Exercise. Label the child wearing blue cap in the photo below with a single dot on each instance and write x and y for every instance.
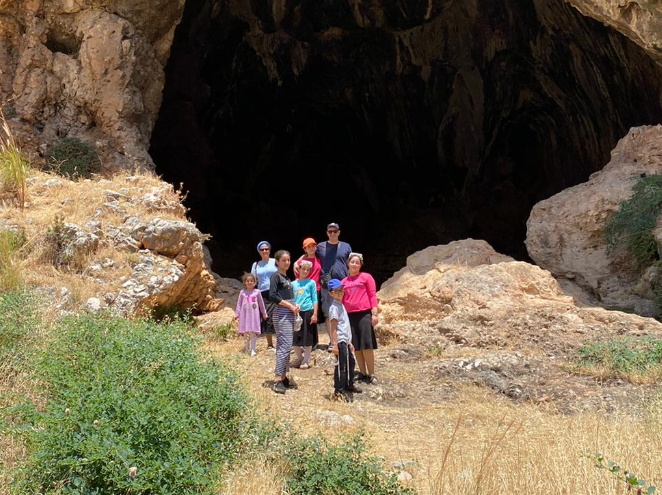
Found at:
(341, 339)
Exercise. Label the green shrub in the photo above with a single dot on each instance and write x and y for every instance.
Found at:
(130, 394)
(18, 317)
(632, 225)
(324, 469)
(623, 357)
(73, 158)
(224, 332)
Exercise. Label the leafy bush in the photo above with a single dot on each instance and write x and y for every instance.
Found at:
(14, 166)
(324, 469)
(624, 357)
(132, 410)
(73, 158)
(632, 225)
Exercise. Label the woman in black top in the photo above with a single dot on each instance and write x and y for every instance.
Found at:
(280, 293)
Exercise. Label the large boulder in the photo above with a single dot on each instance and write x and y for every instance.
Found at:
(565, 233)
(466, 293)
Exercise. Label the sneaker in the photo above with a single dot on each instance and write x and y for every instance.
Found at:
(279, 388)
(354, 389)
(372, 380)
(330, 348)
(341, 396)
(289, 383)
(359, 377)
(304, 366)
(271, 349)
(253, 353)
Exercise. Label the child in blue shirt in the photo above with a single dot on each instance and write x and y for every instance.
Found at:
(305, 295)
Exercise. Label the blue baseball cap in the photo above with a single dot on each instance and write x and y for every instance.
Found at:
(261, 243)
(334, 284)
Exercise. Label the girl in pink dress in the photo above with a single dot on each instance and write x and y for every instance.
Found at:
(250, 306)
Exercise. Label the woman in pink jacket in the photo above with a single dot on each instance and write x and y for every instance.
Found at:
(360, 301)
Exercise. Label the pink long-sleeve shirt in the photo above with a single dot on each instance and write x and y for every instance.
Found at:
(360, 293)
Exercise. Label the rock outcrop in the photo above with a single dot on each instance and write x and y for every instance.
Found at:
(639, 20)
(506, 325)
(466, 293)
(92, 70)
(565, 233)
(126, 246)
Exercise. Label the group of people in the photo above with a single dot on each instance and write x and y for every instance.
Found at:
(329, 285)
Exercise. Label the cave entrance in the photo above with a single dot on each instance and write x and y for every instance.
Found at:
(410, 125)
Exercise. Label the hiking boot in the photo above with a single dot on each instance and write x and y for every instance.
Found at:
(354, 389)
(289, 383)
(279, 388)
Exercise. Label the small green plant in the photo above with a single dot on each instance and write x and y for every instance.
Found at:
(14, 166)
(632, 225)
(73, 158)
(623, 358)
(18, 317)
(168, 314)
(631, 480)
(132, 409)
(224, 332)
(56, 241)
(324, 469)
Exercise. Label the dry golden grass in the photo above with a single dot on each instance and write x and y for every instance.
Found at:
(80, 202)
(473, 443)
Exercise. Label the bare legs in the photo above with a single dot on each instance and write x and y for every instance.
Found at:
(366, 361)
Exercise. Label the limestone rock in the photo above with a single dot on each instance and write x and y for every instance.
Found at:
(92, 71)
(497, 305)
(78, 243)
(565, 233)
(641, 21)
(171, 237)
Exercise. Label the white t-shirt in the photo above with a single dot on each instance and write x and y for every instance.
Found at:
(338, 312)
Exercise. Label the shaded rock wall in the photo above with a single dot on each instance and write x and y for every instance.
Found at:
(433, 119)
(88, 69)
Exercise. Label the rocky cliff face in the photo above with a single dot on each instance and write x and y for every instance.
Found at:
(566, 231)
(639, 20)
(88, 69)
(440, 119)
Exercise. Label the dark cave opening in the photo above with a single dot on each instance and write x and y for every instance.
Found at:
(410, 124)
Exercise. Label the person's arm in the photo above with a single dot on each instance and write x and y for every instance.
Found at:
(274, 297)
(240, 303)
(313, 319)
(296, 265)
(260, 303)
(334, 336)
(371, 289)
(313, 296)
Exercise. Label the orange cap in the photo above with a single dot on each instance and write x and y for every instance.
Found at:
(309, 242)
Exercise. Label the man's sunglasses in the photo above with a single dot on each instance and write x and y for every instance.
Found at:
(332, 231)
